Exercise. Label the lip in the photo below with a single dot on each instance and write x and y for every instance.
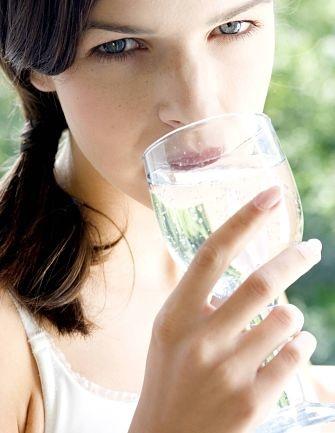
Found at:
(190, 159)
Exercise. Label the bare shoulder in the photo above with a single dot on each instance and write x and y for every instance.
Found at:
(17, 369)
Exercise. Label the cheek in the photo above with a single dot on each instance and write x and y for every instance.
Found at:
(247, 71)
(106, 118)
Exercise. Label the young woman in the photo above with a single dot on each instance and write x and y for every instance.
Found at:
(113, 336)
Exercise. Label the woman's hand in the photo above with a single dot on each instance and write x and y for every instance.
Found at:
(203, 371)
(322, 379)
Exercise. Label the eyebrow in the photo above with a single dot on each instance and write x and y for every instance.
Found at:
(119, 28)
(226, 16)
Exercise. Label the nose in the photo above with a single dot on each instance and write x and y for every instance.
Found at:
(189, 88)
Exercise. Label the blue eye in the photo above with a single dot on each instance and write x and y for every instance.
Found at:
(231, 28)
(116, 49)
(122, 49)
(237, 28)
(115, 46)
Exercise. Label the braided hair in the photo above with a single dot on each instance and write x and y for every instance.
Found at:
(46, 243)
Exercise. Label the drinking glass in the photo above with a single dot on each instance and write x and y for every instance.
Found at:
(199, 175)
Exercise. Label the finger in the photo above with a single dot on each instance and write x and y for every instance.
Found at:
(262, 287)
(272, 378)
(216, 253)
(256, 345)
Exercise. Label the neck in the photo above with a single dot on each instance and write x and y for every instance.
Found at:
(154, 268)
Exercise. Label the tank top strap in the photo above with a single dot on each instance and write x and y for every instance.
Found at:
(35, 335)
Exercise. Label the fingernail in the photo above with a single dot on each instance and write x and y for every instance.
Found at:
(268, 199)
(306, 340)
(313, 245)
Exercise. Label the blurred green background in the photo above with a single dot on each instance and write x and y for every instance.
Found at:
(301, 104)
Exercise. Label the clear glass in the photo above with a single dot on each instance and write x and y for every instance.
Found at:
(199, 175)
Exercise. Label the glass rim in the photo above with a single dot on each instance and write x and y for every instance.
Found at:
(199, 122)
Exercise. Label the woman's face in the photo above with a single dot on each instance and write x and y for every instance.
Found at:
(188, 60)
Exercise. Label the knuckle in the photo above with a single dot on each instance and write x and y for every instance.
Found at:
(288, 316)
(306, 256)
(291, 355)
(247, 404)
(241, 219)
(301, 256)
(260, 284)
(283, 316)
(229, 377)
(209, 256)
(197, 354)
(165, 327)
(226, 375)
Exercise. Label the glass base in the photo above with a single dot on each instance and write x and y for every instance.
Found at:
(296, 418)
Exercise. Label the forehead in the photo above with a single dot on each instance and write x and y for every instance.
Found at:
(158, 16)
(148, 9)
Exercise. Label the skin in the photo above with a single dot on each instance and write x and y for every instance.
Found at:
(185, 71)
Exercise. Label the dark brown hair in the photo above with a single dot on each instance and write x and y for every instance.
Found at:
(46, 240)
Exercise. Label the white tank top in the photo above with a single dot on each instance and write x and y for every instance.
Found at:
(73, 404)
